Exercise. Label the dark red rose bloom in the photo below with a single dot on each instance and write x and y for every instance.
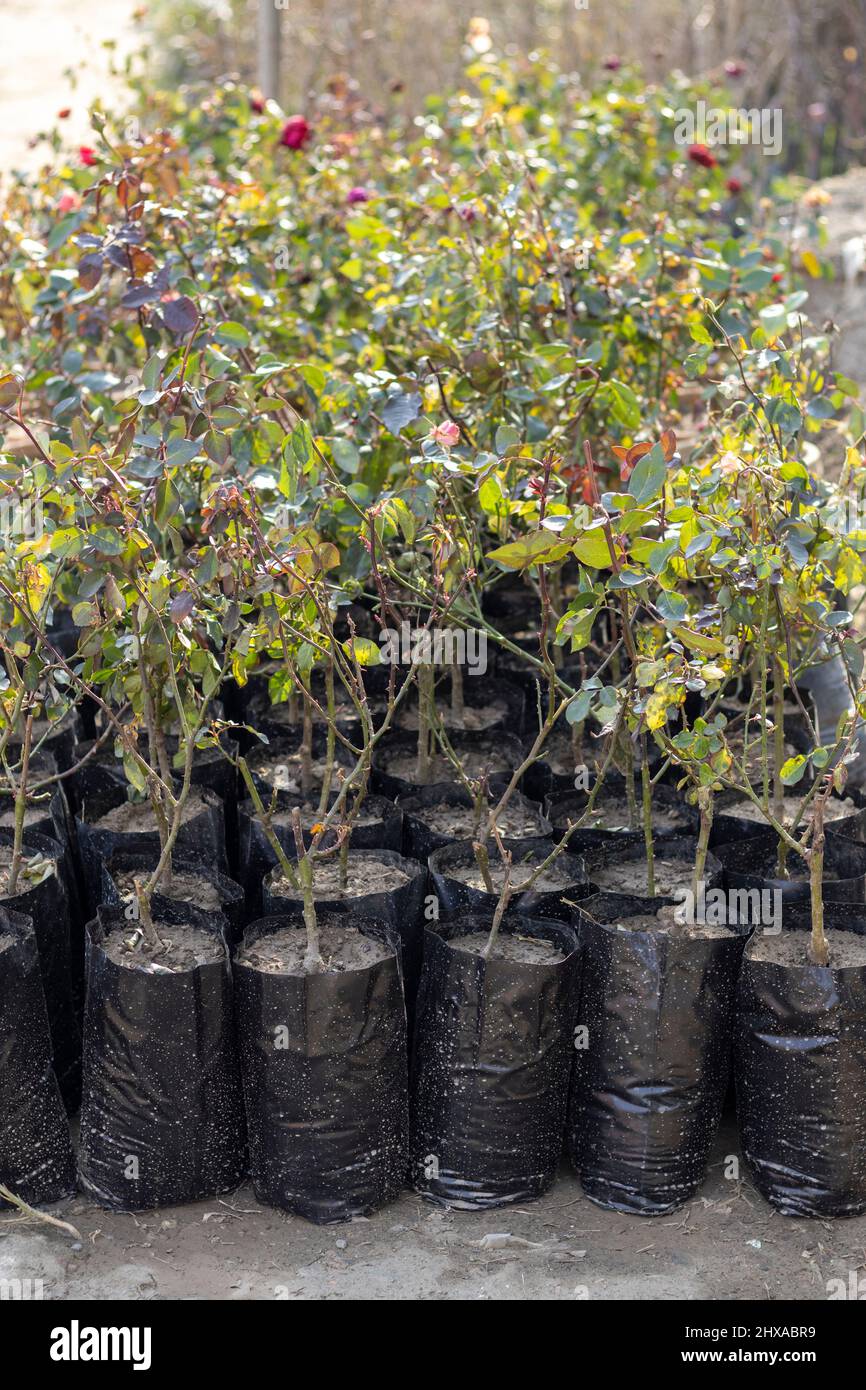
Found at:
(612, 64)
(64, 113)
(699, 154)
(257, 102)
(734, 186)
(296, 133)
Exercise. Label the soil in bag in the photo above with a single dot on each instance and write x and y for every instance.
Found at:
(607, 822)
(378, 825)
(380, 885)
(162, 1111)
(439, 816)
(192, 881)
(653, 1055)
(109, 821)
(323, 1058)
(40, 894)
(490, 756)
(36, 1162)
(737, 818)
(460, 887)
(620, 873)
(493, 1052)
(753, 863)
(801, 1065)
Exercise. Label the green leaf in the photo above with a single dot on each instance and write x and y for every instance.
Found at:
(648, 476)
(592, 549)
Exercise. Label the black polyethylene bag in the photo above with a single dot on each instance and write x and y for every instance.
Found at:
(380, 827)
(162, 1111)
(650, 1083)
(800, 1066)
(421, 838)
(324, 1069)
(200, 837)
(752, 863)
(36, 1161)
(401, 908)
(492, 1060)
(457, 897)
(231, 895)
(47, 905)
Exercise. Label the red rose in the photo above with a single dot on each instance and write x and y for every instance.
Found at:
(778, 277)
(87, 154)
(734, 186)
(357, 195)
(64, 113)
(699, 154)
(734, 68)
(296, 133)
(257, 101)
(612, 64)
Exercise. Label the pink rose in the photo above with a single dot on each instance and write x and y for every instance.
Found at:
(448, 434)
(357, 195)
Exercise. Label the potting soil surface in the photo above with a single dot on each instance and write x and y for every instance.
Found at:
(726, 1243)
(558, 876)
(138, 815)
(630, 876)
(792, 948)
(836, 808)
(183, 946)
(462, 822)
(526, 950)
(363, 876)
(341, 948)
(184, 888)
(474, 716)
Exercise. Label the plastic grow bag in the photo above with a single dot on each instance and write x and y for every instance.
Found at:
(162, 1111)
(256, 857)
(401, 908)
(650, 1082)
(325, 1080)
(420, 839)
(612, 854)
(564, 807)
(752, 863)
(47, 905)
(231, 894)
(456, 897)
(36, 1161)
(800, 1072)
(492, 1058)
(494, 755)
(200, 837)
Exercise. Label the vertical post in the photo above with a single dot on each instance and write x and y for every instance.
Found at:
(269, 48)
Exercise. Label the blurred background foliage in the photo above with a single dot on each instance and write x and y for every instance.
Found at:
(805, 56)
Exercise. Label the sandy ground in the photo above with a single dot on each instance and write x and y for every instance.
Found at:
(53, 57)
(725, 1244)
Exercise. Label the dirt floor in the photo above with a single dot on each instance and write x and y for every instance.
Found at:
(725, 1244)
(55, 56)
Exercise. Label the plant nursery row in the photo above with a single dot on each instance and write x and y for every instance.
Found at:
(431, 716)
